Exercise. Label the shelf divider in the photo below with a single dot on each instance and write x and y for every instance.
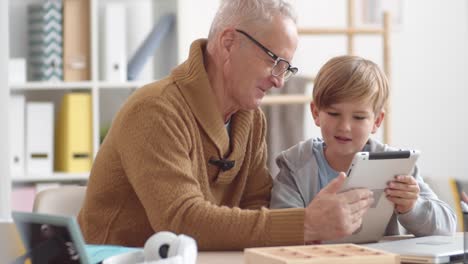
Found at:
(60, 177)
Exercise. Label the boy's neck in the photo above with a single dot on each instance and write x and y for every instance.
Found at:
(338, 162)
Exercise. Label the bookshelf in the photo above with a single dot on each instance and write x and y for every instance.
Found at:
(5, 186)
(107, 96)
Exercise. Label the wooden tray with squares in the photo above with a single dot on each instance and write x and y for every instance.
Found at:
(318, 254)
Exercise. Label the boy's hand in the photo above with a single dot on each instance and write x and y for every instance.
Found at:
(403, 192)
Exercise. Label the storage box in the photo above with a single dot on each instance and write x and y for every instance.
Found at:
(45, 41)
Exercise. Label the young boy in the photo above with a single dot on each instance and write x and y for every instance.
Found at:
(348, 105)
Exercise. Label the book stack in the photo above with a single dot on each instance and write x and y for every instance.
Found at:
(45, 41)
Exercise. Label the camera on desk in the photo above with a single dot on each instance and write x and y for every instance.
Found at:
(161, 248)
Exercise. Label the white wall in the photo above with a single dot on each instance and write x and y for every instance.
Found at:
(430, 78)
(197, 17)
(430, 85)
(5, 186)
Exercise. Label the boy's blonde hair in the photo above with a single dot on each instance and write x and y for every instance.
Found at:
(350, 78)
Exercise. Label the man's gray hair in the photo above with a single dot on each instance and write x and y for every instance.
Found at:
(236, 13)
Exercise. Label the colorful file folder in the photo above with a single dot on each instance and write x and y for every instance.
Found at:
(73, 141)
(45, 41)
(76, 40)
(39, 139)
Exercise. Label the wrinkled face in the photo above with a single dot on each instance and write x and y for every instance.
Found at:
(247, 71)
(346, 127)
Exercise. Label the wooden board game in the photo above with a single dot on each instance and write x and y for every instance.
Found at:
(318, 254)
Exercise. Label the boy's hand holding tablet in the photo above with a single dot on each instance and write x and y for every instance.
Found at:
(403, 192)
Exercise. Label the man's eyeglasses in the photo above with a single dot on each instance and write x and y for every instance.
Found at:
(281, 68)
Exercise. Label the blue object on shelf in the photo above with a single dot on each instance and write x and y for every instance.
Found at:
(146, 50)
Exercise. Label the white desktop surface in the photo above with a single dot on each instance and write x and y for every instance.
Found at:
(237, 257)
(217, 257)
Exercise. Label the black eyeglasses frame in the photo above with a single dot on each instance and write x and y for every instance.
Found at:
(287, 72)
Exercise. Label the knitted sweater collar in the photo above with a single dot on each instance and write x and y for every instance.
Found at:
(192, 81)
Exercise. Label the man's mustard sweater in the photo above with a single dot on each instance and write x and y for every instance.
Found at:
(152, 172)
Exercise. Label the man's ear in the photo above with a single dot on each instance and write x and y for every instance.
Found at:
(315, 113)
(226, 42)
(378, 121)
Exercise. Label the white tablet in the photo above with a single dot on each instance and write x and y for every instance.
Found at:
(373, 170)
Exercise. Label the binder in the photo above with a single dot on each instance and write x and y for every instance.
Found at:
(76, 40)
(17, 105)
(114, 43)
(39, 138)
(147, 48)
(139, 23)
(45, 41)
(73, 141)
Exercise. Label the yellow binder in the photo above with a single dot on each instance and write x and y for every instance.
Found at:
(73, 130)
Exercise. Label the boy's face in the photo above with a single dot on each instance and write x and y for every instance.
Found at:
(346, 126)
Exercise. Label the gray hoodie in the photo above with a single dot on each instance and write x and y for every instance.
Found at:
(301, 176)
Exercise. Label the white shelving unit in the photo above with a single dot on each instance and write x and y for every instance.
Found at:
(107, 97)
(49, 86)
(56, 177)
(5, 186)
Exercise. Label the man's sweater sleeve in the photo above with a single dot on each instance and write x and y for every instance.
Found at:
(156, 156)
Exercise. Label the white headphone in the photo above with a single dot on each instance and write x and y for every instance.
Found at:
(161, 248)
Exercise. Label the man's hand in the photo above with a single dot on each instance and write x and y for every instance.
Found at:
(333, 215)
(403, 192)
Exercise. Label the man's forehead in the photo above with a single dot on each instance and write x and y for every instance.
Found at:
(281, 40)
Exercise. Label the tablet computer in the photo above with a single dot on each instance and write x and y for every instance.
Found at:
(57, 239)
(372, 170)
(50, 239)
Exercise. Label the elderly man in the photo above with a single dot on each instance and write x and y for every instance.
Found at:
(187, 153)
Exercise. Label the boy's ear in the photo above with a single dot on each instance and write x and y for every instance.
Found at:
(378, 121)
(315, 113)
